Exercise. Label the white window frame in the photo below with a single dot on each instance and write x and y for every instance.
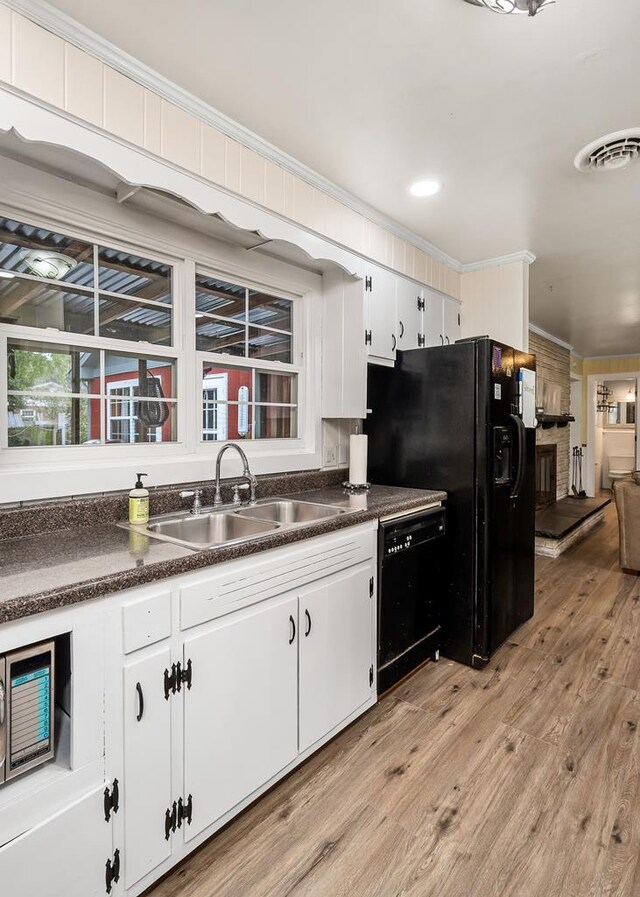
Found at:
(131, 399)
(91, 468)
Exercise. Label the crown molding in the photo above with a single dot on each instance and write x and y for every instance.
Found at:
(551, 337)
(42, 13)
(522, 256)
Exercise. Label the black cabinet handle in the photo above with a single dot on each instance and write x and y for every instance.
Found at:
(393, 337)
(293, 629)
(448, 340)
(401, 329)
(308, 629)
(140, 702)
(442, 339)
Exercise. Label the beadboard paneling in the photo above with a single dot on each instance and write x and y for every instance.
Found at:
(51, 69)
(38, 61)
(83, 80)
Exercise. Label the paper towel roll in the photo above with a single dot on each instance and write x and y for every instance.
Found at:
(358, 460)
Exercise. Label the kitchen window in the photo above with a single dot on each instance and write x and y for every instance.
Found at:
(72, 395)
(256, 398)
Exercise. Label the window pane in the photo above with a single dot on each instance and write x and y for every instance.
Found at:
(134, 321)
(224, 420)
(222, 337)
(120, 272)
(154, 378)
(134, 420)
(277, 388)
(270, 311)
(50, 368)
(274, 422)
(36, 304)
(36, 250)
(269, 345)
(53, 420)
(227, 382)
(220, 298)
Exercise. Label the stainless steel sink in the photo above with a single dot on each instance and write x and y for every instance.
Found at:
(207, 530)
(289, 512)
(232, 525)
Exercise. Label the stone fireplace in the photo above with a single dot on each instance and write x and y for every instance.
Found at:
(553, 365)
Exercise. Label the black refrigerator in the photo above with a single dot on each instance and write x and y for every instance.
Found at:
(461, 418)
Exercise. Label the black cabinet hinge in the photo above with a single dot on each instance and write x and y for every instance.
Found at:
(170, 820)
(111, 800)
(367, 337)
(368, 284)
(371, 587)
(173, 680)
(185, 811)
(422, 340)
(112, 871)
(177, 814)
(370, 675)
(420, 303)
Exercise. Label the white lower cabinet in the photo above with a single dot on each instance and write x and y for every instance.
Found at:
(146, 788)
(336, 662)
(65, 856)
(241, 713)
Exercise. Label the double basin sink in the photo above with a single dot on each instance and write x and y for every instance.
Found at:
(214, 528)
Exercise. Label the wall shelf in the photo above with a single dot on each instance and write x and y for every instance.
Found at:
(546, 421)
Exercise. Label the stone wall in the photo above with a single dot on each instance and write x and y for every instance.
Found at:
(554, 365)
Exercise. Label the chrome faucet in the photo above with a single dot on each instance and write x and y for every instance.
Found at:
(247, 476)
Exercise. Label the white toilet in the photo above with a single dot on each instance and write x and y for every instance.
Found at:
(620, 466)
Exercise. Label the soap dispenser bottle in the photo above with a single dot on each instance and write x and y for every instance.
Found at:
(139, 502)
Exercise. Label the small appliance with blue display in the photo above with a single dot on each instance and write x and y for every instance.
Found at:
(27, 685)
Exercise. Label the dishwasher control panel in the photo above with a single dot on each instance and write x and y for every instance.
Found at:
(407, 534)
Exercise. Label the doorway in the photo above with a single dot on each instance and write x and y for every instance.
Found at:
(612, 423)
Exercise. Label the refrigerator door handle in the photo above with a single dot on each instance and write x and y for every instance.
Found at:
(522, 455)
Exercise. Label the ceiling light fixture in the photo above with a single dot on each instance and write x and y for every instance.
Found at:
(424, 188)
(7, 274)
(514, 7)
(43, 263)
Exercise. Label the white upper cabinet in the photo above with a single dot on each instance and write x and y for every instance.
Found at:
(451, 320)
(409, 314)
(380, 301)
(344, 354)
(441, 319)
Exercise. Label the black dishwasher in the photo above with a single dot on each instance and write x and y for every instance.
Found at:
(411, 560)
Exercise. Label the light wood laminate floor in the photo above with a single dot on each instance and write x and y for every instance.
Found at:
(520, 780)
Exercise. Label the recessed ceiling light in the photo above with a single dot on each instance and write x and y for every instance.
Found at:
(424, 188)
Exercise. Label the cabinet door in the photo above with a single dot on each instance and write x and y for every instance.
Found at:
(337, 620)
(433, 319)
(451, 321)
(146, 790)
(409, 315)
(241, 712)
(381, 313)
(65, 856)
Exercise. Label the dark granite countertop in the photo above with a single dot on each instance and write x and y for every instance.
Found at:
(53, 569)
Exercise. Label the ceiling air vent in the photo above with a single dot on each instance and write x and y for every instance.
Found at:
(611, 152)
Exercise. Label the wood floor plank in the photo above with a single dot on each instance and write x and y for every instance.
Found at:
(519, 780)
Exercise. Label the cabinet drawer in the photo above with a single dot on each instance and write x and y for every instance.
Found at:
(146, 621)
(256, 578)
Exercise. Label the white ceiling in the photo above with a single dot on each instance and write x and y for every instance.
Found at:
(375, 94)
